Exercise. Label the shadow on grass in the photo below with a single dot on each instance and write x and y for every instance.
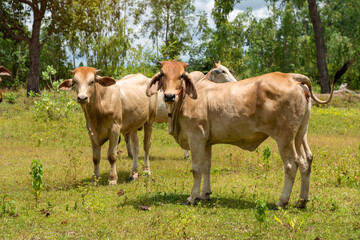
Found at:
(180, 199)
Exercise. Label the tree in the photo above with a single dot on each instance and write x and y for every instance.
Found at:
(168, 22)
(47, 16)
(320, 47)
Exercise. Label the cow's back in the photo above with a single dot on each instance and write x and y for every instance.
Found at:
(244, 113)
(137, 108)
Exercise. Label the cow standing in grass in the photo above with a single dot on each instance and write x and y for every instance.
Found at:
(218, 74)
(243, 113)
(112, 108)
(3, 72)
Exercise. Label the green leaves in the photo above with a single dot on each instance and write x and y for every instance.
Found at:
(36, 171)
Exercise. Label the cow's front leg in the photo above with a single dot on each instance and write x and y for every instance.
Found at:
(113, 141)
(96, 159)
(197, 157)
(206, 166)
(135, 150)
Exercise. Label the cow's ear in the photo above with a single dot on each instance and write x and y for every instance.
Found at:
(189, 86)
(105, 81)
(66, 85)
(155, 84)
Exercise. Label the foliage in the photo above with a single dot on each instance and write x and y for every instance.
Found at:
(36, 171)
(54, 104)
(7, 206)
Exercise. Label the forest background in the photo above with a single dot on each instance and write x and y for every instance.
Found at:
(111, 35)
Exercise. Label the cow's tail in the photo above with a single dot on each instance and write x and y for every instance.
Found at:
(305, 80)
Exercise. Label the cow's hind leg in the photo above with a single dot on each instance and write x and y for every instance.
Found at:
(289, 157)
(134, 174)
(111, 154)
(305, 162)
(128, 145)
(305, 159)
(147, 143)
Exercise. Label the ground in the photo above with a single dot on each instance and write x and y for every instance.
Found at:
(52, 130)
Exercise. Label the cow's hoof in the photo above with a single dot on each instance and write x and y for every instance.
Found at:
(301, 203)
(280, 205)
(206, 196)
(112, 182)
(134, 176)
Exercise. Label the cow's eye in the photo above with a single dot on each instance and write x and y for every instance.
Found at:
(91, 82)
(223, 71)
(74, 82)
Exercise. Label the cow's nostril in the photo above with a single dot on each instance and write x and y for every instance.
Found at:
(169, 97)
(82, 98)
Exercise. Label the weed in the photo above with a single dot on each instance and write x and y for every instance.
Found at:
(261, 212)
(37, 175)
(11, 98)
(266, 156)
(7, 206)
(296, 224)
(54, 105)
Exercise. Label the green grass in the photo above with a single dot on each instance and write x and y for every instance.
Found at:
(71, 207)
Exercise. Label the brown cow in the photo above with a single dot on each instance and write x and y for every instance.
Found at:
(3, 72)
(112, 108)
(243, 113)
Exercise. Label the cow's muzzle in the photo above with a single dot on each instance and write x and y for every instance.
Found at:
(82, 99)
(169, 97)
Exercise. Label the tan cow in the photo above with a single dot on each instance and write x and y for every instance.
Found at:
(243, 113)
(112, 108)
(3, 72)
(218, 74)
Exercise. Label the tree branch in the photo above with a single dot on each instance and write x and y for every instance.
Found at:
(14, 36)
(31, 4)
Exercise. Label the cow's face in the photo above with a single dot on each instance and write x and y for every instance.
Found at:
(175, 82)
(84, 82)
(221, 74)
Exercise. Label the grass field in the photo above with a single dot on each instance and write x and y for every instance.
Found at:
(70, 207)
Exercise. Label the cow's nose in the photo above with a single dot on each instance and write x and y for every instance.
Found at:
(82, 99)
(169, 97)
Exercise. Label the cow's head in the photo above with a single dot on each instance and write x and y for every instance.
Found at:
(84, 82)
(174, 80)
(220, 73)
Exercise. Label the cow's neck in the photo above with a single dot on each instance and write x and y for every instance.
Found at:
(174, 126)
(93, 113)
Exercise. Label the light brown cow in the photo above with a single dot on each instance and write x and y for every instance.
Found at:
(243, 113)
(112, 108)
(218, 74)
(3, 72)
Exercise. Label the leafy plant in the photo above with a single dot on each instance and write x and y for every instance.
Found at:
(36, 171)
(7, 206)
(11, 98)
(296, 224)
(261, 212)
(266, 156)
(54, 105)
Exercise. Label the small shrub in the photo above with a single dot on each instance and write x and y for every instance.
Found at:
(7, 206)
(54, 105)
(261, 212)
(11, 98)
(36, 171)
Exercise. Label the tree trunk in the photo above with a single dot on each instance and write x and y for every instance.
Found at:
(34, 69)
(320, 47)
(34, 51)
